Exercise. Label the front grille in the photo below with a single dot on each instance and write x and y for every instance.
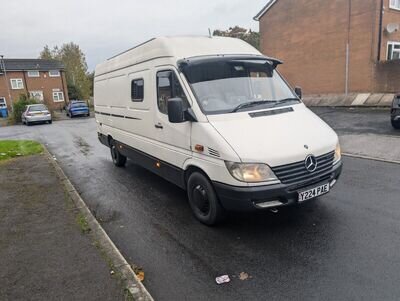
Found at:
(297, 172)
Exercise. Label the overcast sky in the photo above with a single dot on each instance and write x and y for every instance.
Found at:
(103, 28)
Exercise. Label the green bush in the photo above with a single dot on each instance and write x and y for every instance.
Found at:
(19, 106)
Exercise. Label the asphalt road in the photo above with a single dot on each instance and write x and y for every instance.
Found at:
(343, 246)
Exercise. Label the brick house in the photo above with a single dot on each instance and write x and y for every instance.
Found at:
(338, 47)
(40, 79)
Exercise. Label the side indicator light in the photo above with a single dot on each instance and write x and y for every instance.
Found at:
(199, 148)
(158, 165)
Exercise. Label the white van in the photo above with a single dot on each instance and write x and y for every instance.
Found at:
(214, 116)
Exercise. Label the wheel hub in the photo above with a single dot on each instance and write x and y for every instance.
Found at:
(201, 201)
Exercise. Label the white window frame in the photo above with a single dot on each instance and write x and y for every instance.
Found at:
(394, 4)
(17, 84)
(33, 73)
(41, 98)
(56, 96)
(54, 75)
(5, 102)
(393, 50)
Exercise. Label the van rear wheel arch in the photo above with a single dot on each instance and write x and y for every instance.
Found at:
(109, 140)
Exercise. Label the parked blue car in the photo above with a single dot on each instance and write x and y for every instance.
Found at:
(77, 108)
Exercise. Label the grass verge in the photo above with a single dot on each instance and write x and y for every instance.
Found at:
(18, 148)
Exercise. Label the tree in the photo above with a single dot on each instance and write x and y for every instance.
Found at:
(90, 76)
(74, 61)
(46, 53)
(251, 37)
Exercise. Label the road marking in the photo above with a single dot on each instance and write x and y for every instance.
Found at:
(370, 158)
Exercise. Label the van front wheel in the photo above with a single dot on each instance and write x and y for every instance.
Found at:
(118, 159)
(203, 200)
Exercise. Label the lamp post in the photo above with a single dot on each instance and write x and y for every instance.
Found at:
(6, 79)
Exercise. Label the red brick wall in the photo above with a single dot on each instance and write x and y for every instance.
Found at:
(310, 36)
(43, 83)
(387, 77)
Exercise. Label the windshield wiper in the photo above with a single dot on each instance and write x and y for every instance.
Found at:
(249, 105)
(278, 102)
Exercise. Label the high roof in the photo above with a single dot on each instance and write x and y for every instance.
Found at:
(264, 10)
(31, 65)
(176, 48)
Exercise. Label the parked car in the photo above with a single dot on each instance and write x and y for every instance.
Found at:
(395, 113)
(37, 113)
(77, 108)
(215, 117)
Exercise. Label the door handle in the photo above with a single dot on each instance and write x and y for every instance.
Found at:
(158, 126)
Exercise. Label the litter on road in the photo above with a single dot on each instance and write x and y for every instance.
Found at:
(223, 279)
(243, 276)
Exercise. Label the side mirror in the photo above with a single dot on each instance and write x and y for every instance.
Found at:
(175, 110)
(298, 92)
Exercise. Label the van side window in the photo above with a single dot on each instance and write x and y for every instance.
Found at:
(168, 86)
(137, 90)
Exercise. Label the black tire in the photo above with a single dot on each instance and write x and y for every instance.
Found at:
(27, 123)
(396, 124)
(119, 160)
(203, 200)
(50, 121)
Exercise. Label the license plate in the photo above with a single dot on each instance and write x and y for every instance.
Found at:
(313, 192)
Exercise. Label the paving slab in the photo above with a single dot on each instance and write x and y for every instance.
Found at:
(360, 99)
(374, 99)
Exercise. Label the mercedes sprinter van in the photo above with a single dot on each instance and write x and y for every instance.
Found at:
(214, 116)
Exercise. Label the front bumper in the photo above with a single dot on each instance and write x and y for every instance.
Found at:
(38, 118)
(234, 198)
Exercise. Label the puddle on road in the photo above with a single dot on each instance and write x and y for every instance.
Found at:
(83, 146)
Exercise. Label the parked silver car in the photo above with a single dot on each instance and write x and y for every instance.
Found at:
(35, 114)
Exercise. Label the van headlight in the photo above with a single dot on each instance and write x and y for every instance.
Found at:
(250, 172)
(338, 154)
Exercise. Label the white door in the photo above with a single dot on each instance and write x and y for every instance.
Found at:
(174, 138)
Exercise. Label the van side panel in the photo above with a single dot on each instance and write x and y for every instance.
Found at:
(132, 123)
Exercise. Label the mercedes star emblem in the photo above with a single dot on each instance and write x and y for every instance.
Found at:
(311, 163)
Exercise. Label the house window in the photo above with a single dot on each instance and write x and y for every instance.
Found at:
(168, 86)
(58, 96)
(393, 51)
(17, 83)
(38, 95)
(3, 103)
(33, 74)
(395, 4)
(54, 73)
(137, 90)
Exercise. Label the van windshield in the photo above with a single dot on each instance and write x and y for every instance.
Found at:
(228, 85)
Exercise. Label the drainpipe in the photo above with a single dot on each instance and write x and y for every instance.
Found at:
(380, 32)
(7, 84)
(346, 89)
